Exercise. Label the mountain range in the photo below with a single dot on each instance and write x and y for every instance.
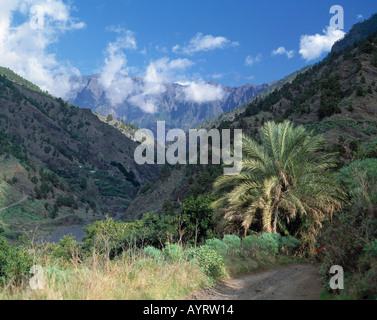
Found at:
(336, 98)
(62, 165)
(176, 111)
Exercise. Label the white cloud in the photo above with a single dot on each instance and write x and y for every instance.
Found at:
(163, 69)
(125, 39)
(120, 87)
(202, 42)
(282, 50)
(115, 62)
(201, 92)
(360, 16)
(157, 75)
(26, 50)
(146, 104)
(313, 46)
(250, 61)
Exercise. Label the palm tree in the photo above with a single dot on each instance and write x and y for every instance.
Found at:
(284, 178)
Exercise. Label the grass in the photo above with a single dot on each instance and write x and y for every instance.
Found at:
(131, 276)
(8, 194)
(135, 278)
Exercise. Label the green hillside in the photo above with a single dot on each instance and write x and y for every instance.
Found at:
(64, 160)
(9, 74)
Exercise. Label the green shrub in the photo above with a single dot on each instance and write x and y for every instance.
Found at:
(110, 237)
(233, 242)
(211, 262)
(351, 175)
(273, 240)
(67, 249)
(369, 149)
(10, 235)
(190, 254)
(173, 252)
(289, 243)
(15, 263)
(370, 249)
(359, 91)
(253, 242)
(217, 245)
(2, 227)
(153, 252)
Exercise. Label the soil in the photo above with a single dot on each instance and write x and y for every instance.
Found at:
(293, 282)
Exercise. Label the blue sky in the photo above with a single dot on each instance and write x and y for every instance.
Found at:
(229, 42)
(258, 26)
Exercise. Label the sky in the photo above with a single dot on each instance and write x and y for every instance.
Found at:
(166, 41)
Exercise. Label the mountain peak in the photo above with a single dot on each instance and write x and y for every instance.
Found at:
(359, 31)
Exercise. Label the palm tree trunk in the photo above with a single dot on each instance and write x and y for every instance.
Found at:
(267, 226)
(275, 223)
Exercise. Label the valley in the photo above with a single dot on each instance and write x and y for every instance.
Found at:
(107, 215)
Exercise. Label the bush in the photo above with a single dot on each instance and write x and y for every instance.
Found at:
(273, 240)
(110, 237)
(351, 175)
(289, 243)
(370, 249)
(67, 249)
(233, 242)
(153, 252)
(2, 227)
(173, 252)
(190, 254)
(359, 91)
(211, 263)
(350, 239)
(252, 243)
(15, 263)
(217, 245)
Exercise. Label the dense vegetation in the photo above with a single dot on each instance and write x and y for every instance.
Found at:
(297, 191)
(285, 185)
(90, 271)
(351, 238)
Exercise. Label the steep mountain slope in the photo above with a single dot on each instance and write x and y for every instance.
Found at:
(63, 158)
(230, 115)
(177, 112)
(336, 97)
(358, 32)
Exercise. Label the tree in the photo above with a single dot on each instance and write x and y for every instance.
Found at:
(197, 216)
(110, 118)
(286, 180)
(374, 59)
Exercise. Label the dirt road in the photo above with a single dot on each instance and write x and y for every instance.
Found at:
(24, 198)
(293, 282)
